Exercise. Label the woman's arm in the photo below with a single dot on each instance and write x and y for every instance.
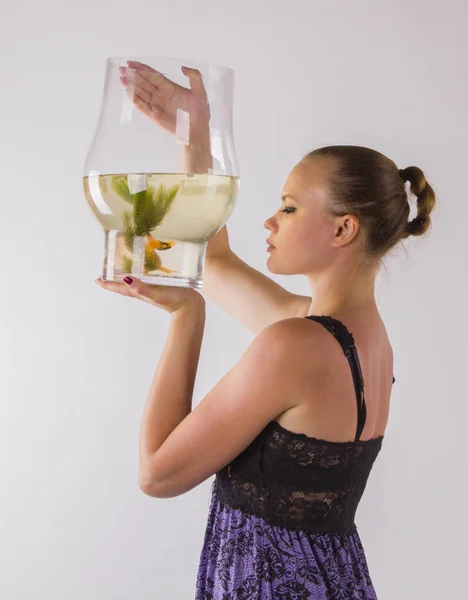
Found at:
(196, 156)
(170, 397)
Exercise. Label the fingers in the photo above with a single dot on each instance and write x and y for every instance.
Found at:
(146, 89)
(136, 289)
(131, 76)
(196, 80)
(139, 65)
(143, 103)
(149, 75)
(114, 286)
(132, 88)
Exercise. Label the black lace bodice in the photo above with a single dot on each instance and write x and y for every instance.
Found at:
(302, 482)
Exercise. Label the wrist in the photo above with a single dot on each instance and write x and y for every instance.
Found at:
(194, 308)
(196, 157)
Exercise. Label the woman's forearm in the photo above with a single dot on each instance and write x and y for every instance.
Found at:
(170, 397)
(196, 156)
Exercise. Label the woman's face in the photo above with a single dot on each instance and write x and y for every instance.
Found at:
(301, 232)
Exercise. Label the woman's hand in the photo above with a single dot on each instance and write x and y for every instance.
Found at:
(169, 298)
(158, 97)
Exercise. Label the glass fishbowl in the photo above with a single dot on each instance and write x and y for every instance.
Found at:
(161, 174)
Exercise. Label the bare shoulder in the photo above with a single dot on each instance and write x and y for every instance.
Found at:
(299, 341)
(298, 328)
(309, 352)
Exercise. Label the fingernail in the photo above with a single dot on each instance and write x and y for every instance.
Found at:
(128, 280)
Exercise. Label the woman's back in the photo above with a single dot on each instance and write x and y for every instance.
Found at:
(328, 406)
(281, 519)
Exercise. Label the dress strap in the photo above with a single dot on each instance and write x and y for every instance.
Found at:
(346, 341)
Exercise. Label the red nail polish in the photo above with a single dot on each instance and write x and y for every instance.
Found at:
(128, 280)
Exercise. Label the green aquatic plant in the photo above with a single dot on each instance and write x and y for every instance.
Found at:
(150, 206)
(150, 263)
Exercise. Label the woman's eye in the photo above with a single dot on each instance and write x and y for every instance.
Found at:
(288, 209)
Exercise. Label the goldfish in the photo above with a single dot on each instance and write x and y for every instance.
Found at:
(157, 244)
(153, 245)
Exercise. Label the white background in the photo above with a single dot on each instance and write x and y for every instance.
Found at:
(77, 361)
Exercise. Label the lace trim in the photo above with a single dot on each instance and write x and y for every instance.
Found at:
(276, 522)
(303, 436)
(292, 479)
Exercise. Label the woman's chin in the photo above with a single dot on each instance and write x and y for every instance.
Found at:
(270, 266)
(277, 270)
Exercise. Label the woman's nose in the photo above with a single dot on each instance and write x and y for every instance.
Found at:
(268, 223)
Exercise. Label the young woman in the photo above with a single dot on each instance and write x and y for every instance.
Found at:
(292, 431)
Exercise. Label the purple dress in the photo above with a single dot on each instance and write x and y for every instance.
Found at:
(281, 517)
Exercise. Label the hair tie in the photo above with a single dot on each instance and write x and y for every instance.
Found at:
(402, 175)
